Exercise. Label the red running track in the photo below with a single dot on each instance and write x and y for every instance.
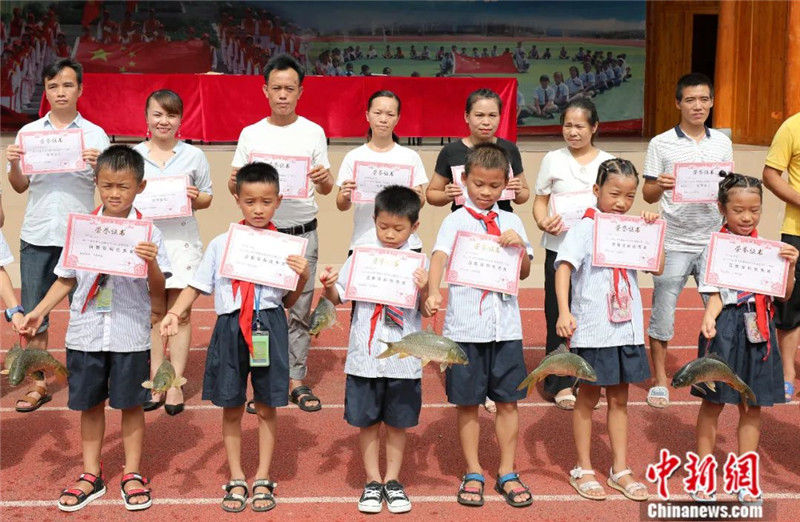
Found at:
(317, 463)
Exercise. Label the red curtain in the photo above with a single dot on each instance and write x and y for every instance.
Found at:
(193, 56)
(217, 107)
(503, 64)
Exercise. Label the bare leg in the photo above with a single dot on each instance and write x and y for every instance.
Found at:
(658, 351)
(232, 437)
(506, 426)
(178, 347)
(395, 446)
(468, 434)
(582, 430)
(706, 431)
(93, 427)
(132, 437)
(267, 427)
(369, 444)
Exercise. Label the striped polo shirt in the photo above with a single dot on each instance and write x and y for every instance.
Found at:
(689, 225)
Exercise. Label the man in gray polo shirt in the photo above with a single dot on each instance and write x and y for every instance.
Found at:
(689, 225)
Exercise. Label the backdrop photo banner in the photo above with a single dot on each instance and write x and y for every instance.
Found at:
(217, 107)
(145, 57)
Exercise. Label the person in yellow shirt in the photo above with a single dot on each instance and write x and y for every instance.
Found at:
(784, 155)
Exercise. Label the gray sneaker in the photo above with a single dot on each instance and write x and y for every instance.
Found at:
(371, 500)
(396, 499)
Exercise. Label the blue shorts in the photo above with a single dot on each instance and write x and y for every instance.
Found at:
(617, 364)
(97, 376)
(37, 265)
(495, 370)
(228, 363)
(396, 402)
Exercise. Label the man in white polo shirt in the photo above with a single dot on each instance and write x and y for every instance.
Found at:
(689, 225)
(51, 197)
(285, 133)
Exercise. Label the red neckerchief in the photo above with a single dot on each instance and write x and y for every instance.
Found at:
(101, 278)
(590, 213)
(490, 221)
(392, 312)
(764, 310)
(247, 308)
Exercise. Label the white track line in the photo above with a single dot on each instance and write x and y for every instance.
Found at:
(432, 499)
(433, 405)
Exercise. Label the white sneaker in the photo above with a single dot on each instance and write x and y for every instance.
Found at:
(396, 499)
(371, 500)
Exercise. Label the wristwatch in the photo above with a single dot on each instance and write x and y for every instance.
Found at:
(11, 311)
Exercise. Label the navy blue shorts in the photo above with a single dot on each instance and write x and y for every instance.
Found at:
(396, 402)
(37, 265)
(228, 363)
(617, 364)
(495, 370)
(97, 376)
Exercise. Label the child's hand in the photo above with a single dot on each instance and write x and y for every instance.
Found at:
(192, 192)
(709, 327)
(433, 303)
(551, 224)
(147, 251)
(666, 181)
(566, 325)
(347, 189)
(90, 156)
(420, 278)
(17, 322)
(514, 184)
(789, 252)
(511, 238)
(328, 277)
(452, 191)
(650, 217)
(30, 324)
(318, 174)
(169, 325)
(299, 264)
(14, 153)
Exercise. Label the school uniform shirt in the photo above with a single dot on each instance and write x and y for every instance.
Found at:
(300, 138)
(590, 290)
(689, 225)
(52, 196)
(544, 95)
(361, 357)
(561, 92)
(587, 78)
(207, 280)
(499, 318)
(5, 253)
(575, 84)
(126, 328)
(181, 235)
(363, 220)
(560, 172)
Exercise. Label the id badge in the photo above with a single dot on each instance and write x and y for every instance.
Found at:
(260, 355)
(619, 311)
(751, 327)
(102, 300)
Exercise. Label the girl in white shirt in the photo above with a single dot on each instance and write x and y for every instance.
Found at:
(383, 113)
(569, 169)
(165, 155)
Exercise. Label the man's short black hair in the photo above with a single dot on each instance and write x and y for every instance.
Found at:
(398, 201)
(282, 62)
(693, 80)
(52, 70)
(121, 157)
(257, 173)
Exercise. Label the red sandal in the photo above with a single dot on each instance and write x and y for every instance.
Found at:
(98, 490)
(126, 495)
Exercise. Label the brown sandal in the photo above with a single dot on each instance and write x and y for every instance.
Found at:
(35, 404)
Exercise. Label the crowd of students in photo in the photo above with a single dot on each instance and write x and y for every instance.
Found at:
(110, 355)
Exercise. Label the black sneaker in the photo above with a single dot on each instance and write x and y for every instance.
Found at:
(396, 498)
(371, 500)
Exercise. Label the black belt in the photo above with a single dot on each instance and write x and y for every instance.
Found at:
(299, 230)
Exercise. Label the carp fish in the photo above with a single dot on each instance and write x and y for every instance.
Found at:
(428, 347)
(164, 379)
(709, 369)
(324, 316)
(560, 362)
(23, 362)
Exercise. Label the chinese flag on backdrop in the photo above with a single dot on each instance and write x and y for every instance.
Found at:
(91, 10)
(145, 57)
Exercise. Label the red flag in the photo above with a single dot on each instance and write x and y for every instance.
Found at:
(495, 64)
(130, 6)
(145, 57)
(91, 10)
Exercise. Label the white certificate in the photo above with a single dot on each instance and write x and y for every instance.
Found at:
(51, 151)
(479, 261)
(259, 256)
(164, 197)
(105, 244)
(627, 242)
(698, 182)
(384, 275)
(458, 170)
(372, 177)
(571, 206)
(746, 263)
(292, 172)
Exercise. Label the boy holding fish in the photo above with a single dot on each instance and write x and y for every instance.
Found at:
(108, 338)
(248, 314)
(383, 389)
(492, 339)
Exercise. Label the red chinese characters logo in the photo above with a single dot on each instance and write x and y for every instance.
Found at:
(661, 471)
(741, 473)
(702, 474)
